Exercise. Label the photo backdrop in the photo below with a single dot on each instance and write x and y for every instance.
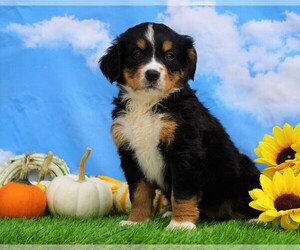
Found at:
(54, 97)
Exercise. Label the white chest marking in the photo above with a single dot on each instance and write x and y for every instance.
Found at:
(141, 129)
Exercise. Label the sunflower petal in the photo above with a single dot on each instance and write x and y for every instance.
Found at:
(270, 139)
(278, 184)
(263, 161)
(287, 223)
(252, 195)
(297, 185)
(257, 151)
(296, 133)
(266, 184)
(289, 180)
(269, 157)
(257, 193)
(297, 158)
(284, 165)
(265, 202)
(288, 133)
(272, 213)
(285, 212)
(265, 146)
(279, 137)
(269, 172)
(296, 147)
(295, 217)
(256, 206)
(265, 218)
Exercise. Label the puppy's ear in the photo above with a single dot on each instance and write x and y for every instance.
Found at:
(191, 57)
(110, 64)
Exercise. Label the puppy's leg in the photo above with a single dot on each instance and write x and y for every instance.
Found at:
(141, 198)
(141, 192)
(185, 213)
(185, 194)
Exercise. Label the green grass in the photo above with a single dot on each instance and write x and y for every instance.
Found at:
(61, 230)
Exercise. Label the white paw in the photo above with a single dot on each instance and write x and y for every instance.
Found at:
(131, 223)
(167, 214)
(127, 223)
(187, 225)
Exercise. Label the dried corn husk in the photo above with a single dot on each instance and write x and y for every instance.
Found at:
(11, 169)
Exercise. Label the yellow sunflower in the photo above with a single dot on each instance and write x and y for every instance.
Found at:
(296, 148)
(270, 171)
(279, 199)
(279, 151)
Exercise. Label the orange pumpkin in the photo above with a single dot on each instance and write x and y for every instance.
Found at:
(20, 198)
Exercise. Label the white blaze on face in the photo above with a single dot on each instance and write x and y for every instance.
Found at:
(153, 64)
(150, 37)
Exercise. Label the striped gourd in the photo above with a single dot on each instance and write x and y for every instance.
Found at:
(121, 201)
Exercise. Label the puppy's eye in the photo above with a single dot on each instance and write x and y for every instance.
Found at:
(137, 54)
(170, 56)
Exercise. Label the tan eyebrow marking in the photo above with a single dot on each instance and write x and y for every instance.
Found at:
(167, 45)
(141, 43)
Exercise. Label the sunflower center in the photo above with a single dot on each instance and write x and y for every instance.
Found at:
(287, 201)
(285, 154)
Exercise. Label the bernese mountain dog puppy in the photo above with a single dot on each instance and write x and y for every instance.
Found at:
(166, 138)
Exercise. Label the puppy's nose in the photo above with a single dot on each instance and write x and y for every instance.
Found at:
(152, 75)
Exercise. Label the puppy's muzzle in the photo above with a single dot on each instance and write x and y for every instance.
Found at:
(152, 76)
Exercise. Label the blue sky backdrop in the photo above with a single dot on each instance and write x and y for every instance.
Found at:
(53, 96)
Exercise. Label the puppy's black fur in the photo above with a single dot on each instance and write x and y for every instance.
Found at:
(189, 156)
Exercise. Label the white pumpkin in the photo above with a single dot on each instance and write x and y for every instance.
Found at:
(73, 195)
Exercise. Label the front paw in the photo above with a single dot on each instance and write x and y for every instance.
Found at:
(127, 223)
(186, 225)
(131, 223)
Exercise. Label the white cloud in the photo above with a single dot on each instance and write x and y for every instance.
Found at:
(271, 96)
(263, 60)
(88, 37)
(209, 30)
(4, 156)
(270, 33)
(258, 63)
